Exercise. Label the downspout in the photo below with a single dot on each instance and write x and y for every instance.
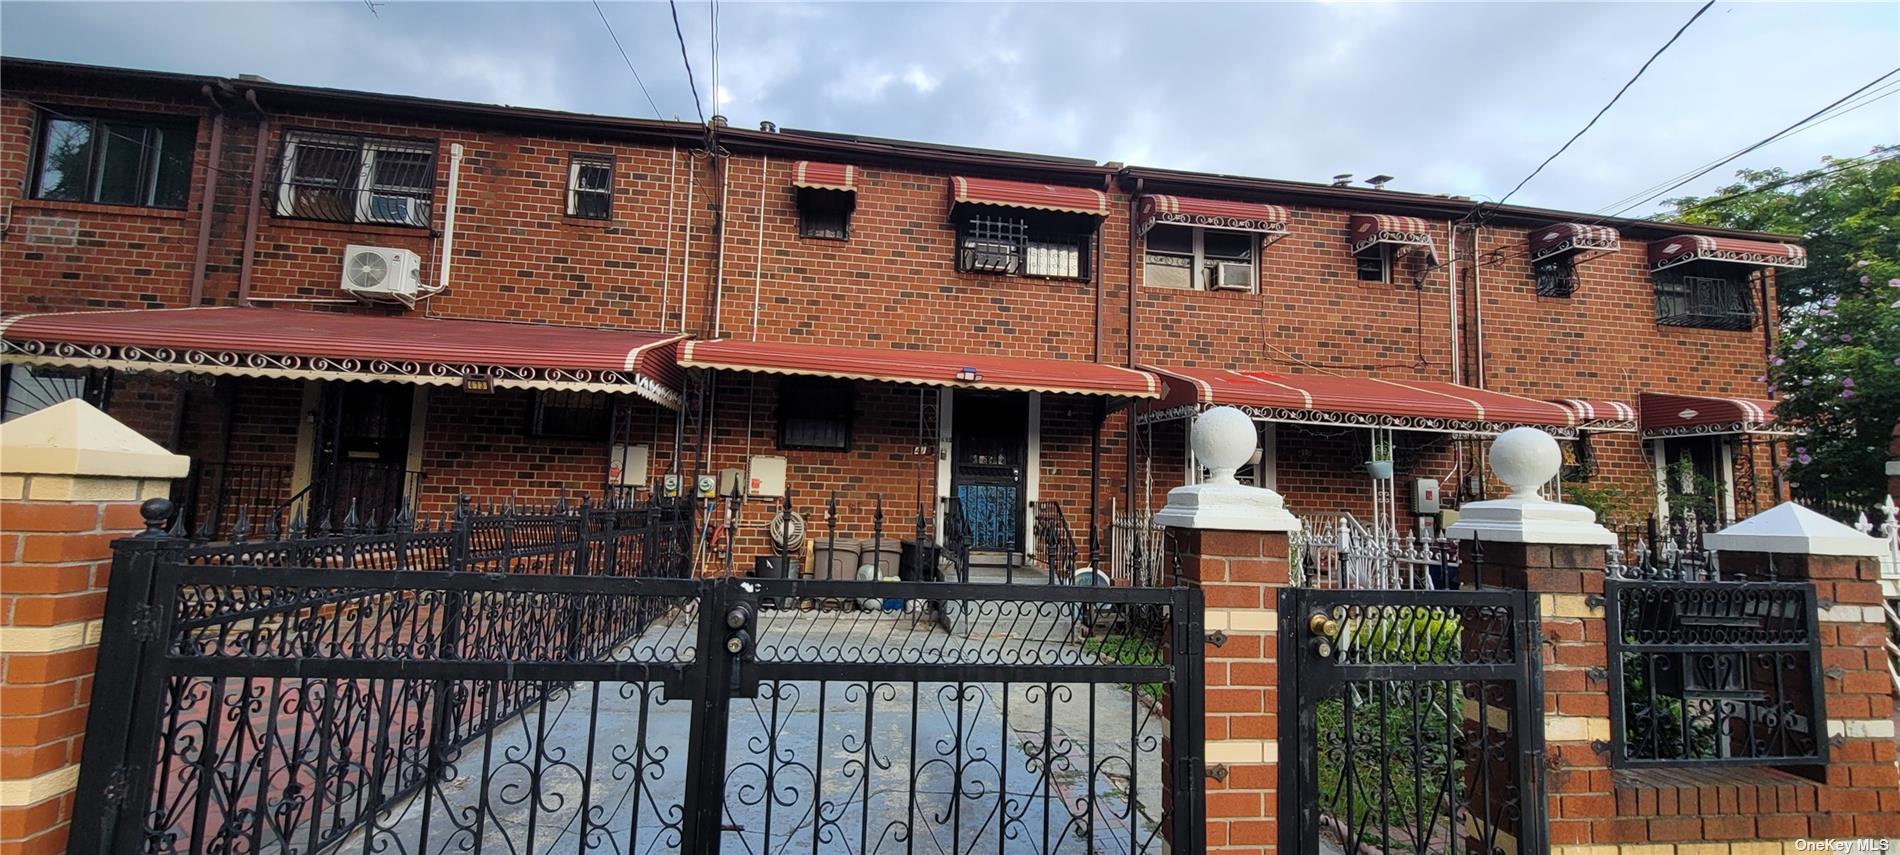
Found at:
(758, 263)
(1452, 291)
(719, 224)
(1101, 238)
(666, 255)
(448, 220)
(1768, 355)
(258, 156)
(1477, 304)
(208, 204)
(686, 256)
(1134, 463)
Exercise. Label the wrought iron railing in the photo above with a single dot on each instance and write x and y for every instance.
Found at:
(1701, 301)
(213, 496)
(1339, 552)
(1135, 548)
(1708, 668)
(1055, 543)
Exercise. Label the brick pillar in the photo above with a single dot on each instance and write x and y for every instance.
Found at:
(1230, 542)
(71, 480)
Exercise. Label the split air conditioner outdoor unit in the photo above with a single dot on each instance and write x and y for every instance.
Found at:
(386, 274)
(1232, 276)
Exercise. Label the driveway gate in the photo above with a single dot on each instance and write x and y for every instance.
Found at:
(546, 683)
(1415, 721)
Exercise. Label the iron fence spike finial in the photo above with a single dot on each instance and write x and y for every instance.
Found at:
(350, 519)
(241, 527)
(273, 527)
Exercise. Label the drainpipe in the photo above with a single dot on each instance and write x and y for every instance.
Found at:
(1477, 304)
(1101, 238)
(686, 255)
(719, 221)
(1768, 353)
(1134, 464)
(259, 154)
(758, 257)
(666, 269)
(448, 219)
(208, 204)
(1451, 299)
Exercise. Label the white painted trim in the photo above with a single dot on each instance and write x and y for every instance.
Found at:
(418, 423)
(946, 399)
(1725, 450)
(302, 466)
(1659, 464)
(1032, 474)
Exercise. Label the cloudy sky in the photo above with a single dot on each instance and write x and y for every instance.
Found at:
(1461, 98)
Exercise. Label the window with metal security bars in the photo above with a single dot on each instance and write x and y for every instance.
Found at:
(113, 160)
(571, 415)
(1054, 247)
(353, 179)
(825, 214)
(1556, 277)
(815, 413)
(590, 187)
(1705, 295)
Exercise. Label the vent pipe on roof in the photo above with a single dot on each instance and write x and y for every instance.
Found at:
(768, 127)
(717, 121)
(1378, 182)
(1342, 179)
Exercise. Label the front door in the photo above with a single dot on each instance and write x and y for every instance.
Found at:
(988, 464)
(362, 453)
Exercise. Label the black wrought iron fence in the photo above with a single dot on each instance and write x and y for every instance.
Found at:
(213, 496)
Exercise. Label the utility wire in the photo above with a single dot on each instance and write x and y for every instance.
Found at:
(628, 60)
(1613, 99)
(677, 33)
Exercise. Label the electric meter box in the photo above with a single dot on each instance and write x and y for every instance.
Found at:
(627, 465)
(731, 480)
(707, 486)
(767, 476)
(670, 485)
(1425, 496)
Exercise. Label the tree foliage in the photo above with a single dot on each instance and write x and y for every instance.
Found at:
(1836, 371)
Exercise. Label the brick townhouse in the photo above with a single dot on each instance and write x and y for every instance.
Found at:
(335, 300)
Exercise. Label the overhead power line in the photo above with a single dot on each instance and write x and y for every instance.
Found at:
(627, 59)
(1613, 99)
(677, 33)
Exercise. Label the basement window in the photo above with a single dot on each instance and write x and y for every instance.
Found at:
(590, 187)
(815, 413)
(353, 179)
(113, 160)
(825, 214)
(1054, 246)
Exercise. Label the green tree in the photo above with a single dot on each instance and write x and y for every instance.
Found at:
(1836, 371)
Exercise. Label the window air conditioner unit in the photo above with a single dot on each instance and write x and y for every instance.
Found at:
(1232, 276)
(985, 256)
(384, 274)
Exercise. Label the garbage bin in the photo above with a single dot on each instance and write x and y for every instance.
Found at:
(917, 564)
(836, 561)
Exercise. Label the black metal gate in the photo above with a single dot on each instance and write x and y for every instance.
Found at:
(553, 682)
(1415, 721)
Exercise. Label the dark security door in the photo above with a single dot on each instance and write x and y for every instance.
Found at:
(362, 451)
(989, 447)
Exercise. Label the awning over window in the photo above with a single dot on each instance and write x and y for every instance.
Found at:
(1420, 405)
(1555, 240)
(825, 176)
(1662, 414)
(1022, 194)
(921, 367)
(1269, 220)
(1371, 230)
(1596, 414)
(251, 342)
(1682, 249)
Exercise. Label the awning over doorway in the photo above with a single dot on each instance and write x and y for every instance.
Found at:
(1664, 414)
(921, 367)
(252, 342)
(1418, 405)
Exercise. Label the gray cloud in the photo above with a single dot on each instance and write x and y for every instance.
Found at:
(1460, 98)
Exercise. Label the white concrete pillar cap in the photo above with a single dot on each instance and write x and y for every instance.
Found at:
(1525, 459)
(1223, 439)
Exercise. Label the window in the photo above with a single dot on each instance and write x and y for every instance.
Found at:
(1375, 264)
(1201, 259)
(825, 213)
(347, 179)
(571, 415)
(1556, 277)
(590, 187)
(1054, 246)
(31, 388)
(815, 414)
(1706, 295)
(114, 161)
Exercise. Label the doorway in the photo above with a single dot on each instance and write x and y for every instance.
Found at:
(362, 453)
(989, 466)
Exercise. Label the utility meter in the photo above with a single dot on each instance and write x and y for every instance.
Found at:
(670, 485)
(707, 486)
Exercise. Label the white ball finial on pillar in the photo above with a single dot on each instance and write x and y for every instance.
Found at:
(1223, 439)
(1525, 459)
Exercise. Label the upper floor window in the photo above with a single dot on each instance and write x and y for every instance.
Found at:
(1705, 294)
(1023, 242)
(1375, 264)
(114, 160)
(1200, 258)
(355, 179)
(590, 187)
(825, 213)
(1556, 277)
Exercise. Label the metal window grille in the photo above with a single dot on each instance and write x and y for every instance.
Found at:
(1704, 301)
(1556, 277)
(825, 214)
(1002, 244)
(590, 188)
(572, 415)
(344, 178)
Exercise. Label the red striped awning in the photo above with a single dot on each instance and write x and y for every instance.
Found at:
(825, 176)
(1422, 405)
(1682, 249)
(1555, 240)
(1664, 414)
(1598, 414)
(336, 346)
(1370, 230)
(1213, 214)
(1022, 194)
(921, 367)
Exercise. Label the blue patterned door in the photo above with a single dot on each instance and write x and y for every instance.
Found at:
(989, 442)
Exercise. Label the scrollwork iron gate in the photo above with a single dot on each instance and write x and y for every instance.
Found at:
(421, 692)
(1416, 721)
